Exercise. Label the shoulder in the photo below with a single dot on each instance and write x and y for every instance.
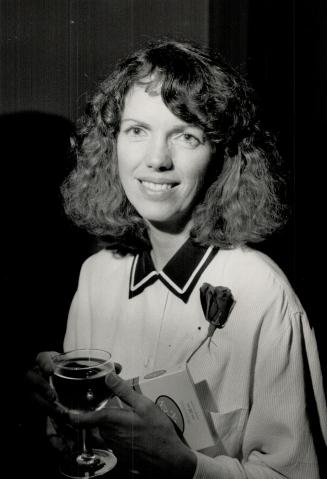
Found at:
(265, 304)
(106, 262)
(253, 262)
(255, 276)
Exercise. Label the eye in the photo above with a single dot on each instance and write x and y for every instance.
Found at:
(188, 140)
(191, 139)
(135, 131)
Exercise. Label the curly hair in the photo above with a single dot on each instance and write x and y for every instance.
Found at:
(241, 199)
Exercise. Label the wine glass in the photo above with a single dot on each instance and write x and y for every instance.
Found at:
(79, 381)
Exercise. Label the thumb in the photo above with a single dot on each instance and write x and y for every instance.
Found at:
(122, 389)
(44, 361)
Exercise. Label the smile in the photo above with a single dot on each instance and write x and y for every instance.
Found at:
(157, 187)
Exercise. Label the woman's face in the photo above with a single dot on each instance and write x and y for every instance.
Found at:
(162, 160)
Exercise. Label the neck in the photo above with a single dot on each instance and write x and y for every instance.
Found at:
(165, 244)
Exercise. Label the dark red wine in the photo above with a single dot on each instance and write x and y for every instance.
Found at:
(80, 383)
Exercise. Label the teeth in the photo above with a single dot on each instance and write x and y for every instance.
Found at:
(157, 186)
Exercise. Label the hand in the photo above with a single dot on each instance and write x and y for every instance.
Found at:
(43, 399)
(142, 429)
(39, 391)
(38, 386)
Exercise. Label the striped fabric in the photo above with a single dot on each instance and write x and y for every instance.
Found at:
(262, 366)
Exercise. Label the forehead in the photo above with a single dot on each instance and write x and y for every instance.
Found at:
(146, 104)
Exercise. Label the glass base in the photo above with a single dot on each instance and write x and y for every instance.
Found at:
(105, 460)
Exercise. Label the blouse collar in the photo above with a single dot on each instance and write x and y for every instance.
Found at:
(179, 275)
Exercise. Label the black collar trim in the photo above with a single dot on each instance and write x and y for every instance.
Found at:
(179, 275)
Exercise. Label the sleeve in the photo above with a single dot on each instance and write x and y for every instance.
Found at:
(78, 329)
(288, 409)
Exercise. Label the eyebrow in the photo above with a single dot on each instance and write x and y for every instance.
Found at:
(140, 122)
(178, 127)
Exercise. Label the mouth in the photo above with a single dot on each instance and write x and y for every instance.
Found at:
(156, 187)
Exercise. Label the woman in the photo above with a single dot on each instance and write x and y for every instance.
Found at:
(176, 174)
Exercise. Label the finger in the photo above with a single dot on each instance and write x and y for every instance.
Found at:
(123, 390)
(58, 443)
(52, 409)
(36, 382)
(103, 417)
(56, 435)
(44, 361)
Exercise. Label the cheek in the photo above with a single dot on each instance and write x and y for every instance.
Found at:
(128, 157)
(198, 173)
(124, 161)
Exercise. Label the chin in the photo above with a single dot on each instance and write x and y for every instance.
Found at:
(164, 218)
(157, 214)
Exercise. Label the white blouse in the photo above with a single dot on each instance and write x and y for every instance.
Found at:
(262, 366)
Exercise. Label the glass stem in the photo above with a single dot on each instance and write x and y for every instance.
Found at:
(87, 456)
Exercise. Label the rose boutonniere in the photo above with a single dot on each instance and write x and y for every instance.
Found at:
(216, 302)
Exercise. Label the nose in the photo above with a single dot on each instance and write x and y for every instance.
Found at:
(159, 156)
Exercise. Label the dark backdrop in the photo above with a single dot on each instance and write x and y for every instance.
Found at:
(53, 52)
